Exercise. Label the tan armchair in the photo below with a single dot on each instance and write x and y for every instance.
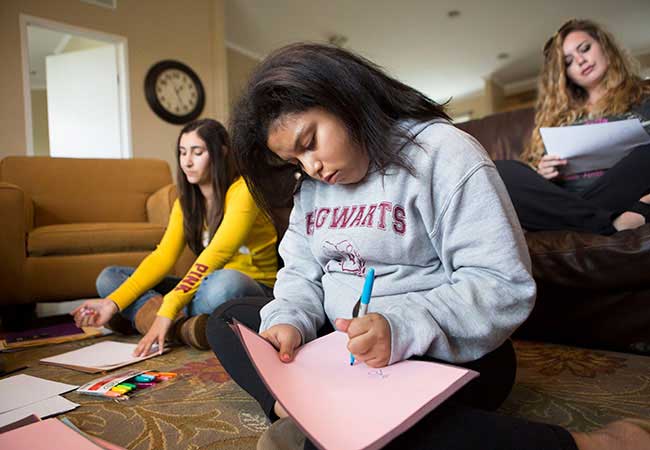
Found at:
(63, 220)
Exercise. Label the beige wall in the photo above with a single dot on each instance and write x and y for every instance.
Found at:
(39, 122)
(474, 105)
(155, 30)
(240, 67)
(493, 98)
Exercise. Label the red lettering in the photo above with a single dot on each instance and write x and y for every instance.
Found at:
(342, 220)
(399, 222)
(321, 216)
(367, 221)
(357, 220)
(309, 222)
(383, 207)
(183, 287)
(189, 279)
(201, 267)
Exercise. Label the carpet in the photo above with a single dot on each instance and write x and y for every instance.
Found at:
(202, 408)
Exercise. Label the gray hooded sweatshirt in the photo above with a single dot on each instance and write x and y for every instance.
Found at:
(452, 270)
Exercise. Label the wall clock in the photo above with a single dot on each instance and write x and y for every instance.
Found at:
(174, 92)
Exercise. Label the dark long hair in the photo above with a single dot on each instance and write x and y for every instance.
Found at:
(302, 76)
(223, 172)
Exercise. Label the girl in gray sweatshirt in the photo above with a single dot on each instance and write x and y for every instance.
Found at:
(385, 181)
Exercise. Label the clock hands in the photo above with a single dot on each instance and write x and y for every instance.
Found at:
(177, 92)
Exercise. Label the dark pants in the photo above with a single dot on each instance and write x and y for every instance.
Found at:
(543, 205)
(465, 421)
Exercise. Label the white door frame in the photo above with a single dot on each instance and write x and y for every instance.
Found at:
(122, 70)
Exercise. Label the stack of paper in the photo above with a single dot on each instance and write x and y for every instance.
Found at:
(358, 407)
(107, 355)
(23, 395)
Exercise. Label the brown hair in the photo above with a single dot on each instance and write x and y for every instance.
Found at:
(223, 173)
(560, 101)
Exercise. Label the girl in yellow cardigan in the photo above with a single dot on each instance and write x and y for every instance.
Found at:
(218, 219)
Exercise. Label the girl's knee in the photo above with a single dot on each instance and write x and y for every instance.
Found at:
(108, 280)
(221, 318)
(225, 285)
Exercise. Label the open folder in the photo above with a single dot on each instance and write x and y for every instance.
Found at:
(343, 407)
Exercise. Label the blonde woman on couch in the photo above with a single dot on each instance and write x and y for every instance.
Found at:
(586, 78)
(217, 218)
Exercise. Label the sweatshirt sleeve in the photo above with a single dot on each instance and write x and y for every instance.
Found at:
(298, 290)
(490, 290)
(156, 265)
(239, 216)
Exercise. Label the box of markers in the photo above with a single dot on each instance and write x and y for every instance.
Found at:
(125, 383)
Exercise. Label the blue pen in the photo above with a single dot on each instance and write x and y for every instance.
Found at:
(365, 299)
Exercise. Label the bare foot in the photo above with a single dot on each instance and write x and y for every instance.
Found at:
(619, 435)
(630, 220)
(279, 410)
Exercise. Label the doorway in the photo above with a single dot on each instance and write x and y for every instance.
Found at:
(76, 91)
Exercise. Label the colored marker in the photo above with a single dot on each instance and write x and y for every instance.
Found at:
(365, 299)
(142, 378)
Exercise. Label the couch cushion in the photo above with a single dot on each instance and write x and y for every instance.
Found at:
(89, 238)
(503, 135)
(582, 260)
(71, 190)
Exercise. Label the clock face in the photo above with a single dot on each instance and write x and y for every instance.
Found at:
(174, 92)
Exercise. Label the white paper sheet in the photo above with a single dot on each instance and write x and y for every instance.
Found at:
(105, 355)
(21, 390)
(44, 408)
(594, 146)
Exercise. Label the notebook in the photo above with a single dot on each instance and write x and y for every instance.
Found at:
(100, 357)
(345, 407)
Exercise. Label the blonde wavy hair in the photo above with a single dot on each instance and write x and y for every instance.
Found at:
(560, 101)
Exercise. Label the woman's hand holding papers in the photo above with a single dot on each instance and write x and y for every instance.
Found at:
(548, 166)
(369, 338)
(156, 335)
(286, 338)
(94, 313)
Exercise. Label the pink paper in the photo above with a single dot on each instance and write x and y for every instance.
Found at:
(343, 407)
(45, 435)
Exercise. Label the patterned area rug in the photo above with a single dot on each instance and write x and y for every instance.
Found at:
(580, 389)
(203, 409)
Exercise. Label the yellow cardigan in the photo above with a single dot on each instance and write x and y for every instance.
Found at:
(245, 241)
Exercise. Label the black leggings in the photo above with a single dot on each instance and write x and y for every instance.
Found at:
(463, 422)
(543, 205)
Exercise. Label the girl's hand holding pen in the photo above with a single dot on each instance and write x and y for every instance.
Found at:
(286, 338)
(369, 338)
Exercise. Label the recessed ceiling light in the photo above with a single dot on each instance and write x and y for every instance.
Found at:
(453, 13)
(503, 55)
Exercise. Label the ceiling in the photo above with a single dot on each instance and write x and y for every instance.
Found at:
(416, 40)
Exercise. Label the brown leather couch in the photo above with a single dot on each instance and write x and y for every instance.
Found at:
(63, 220)
(593, 290)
